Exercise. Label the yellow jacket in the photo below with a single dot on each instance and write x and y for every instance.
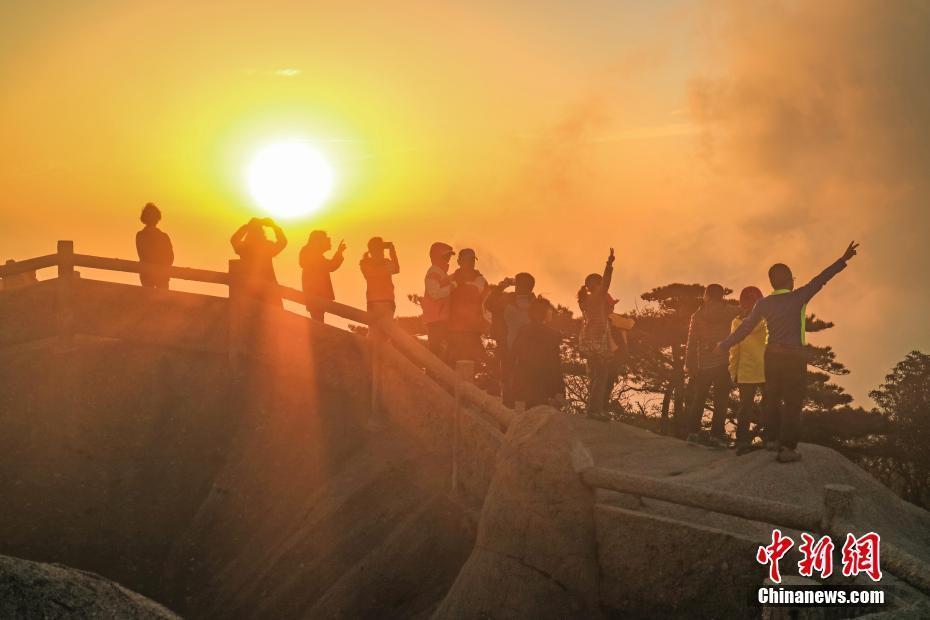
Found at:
(747, 359)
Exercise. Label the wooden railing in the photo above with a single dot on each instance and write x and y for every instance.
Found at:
(65, 259)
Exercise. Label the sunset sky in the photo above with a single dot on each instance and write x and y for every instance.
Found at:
(703, 140)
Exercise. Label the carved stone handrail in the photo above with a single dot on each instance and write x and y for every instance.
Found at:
(66, 260)
(834, 519)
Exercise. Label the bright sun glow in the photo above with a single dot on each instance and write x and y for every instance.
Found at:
(289, 179)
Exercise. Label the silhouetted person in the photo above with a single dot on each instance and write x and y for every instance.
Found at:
(747, 367)
(437, 288)
(537, 359)
(18, 280)
(466, 310)
(379, 271)
(257, 252)
(154, 249)
(316, 268)
(509, 313)
(785, 312)
(595, 341)
(707, 367)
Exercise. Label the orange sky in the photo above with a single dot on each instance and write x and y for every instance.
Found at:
(702, 140)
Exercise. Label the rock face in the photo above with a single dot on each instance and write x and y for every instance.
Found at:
(535, 554)
(51, 591)
(223, 487)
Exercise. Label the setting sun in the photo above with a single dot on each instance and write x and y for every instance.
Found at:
(290, 179)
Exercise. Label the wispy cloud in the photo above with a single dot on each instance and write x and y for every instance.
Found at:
(284, 72)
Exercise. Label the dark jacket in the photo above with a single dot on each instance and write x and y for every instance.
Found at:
(537, 365)
(154, 246)
(154, 249)
(316, 269)
(709, 325)
(508, 312)
(784, 313)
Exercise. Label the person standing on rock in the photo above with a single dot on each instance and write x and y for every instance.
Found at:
(154, 249)
(707, 367)
(257, 253)
(537, 359)
(437, 288)
(785, 314)
(315, 278)
(595, 341)
(509, 314)
(379, 271)
(466, 310)
(747, 367)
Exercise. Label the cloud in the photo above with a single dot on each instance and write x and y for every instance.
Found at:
(823, 108)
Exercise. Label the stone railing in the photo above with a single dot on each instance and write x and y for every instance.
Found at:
(491, 417)
(834, 519)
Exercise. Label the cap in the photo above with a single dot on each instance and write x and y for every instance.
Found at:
(468, 252)
(439, 249)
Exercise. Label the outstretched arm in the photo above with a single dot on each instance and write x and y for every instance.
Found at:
(336, 261)
(813, 287)
(608, 272)
(239, 235)
(744, 329)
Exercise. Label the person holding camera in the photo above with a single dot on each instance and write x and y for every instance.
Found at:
(509, 314)
(379, 271)
(257, 252)
(315, 270)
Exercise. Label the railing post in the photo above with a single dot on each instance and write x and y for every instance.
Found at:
(465, 369)
(837, 505)
(236, 328)
(65, 297)
(376, 340)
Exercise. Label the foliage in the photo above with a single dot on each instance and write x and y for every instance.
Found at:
(901, 459)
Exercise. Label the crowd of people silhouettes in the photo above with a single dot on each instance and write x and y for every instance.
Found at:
(759, 347)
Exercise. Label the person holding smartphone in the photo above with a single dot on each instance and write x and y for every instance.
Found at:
(257, 253)
(379, 271)
(316, 269)
(509, 314)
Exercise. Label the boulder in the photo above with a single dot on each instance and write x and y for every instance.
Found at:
(51, 591)
(535, 555)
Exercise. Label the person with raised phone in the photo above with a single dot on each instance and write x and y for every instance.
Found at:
(595, 340)
(256, 252)
(316, 269)
(379, 271)
(785, 312)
